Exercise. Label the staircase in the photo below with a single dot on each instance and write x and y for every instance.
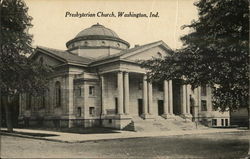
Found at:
(160, 124)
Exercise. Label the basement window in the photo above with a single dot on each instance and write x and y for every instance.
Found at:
(214, 122)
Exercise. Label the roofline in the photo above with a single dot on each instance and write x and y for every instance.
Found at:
(97, 37)
(117, 58)
(94, 47)
(47, 53)
(70, 62)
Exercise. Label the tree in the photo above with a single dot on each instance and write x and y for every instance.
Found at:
(18, 73)
(215, 52)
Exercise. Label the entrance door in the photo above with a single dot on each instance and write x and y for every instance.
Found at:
(160, 107)
(177, 97)
(140, 107)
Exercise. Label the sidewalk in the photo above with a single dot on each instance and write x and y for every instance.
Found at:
(73, 137)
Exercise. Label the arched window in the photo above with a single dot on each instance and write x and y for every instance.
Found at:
(86, 43)
(43, 100)
(58, 94)
(41, 60)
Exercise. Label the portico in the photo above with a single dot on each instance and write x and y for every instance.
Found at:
(131, 87)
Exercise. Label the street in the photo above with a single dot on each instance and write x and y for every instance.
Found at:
(214, 145)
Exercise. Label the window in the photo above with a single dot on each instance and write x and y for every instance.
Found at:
(79, 111)
(92, 90)
(116, 105)
(78, 91)
(222, 122)
(42, 98)
(214, 122)
(159, 54)
(203, 105)
(203, 90)
(110, 121)
(41, 60)
(28, 101)
(226, 122)
(140, 85)
(58, 94)
(160, 86)
(91, 110)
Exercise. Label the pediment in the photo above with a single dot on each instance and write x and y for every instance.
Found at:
(46, 59)
(154, 52)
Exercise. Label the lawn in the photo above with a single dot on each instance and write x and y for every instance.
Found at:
(216, 145)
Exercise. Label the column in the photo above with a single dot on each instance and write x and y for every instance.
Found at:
(69, 97)
(120, 92)
(103, 95)
(170, 92)
(145, 95)
(166, 97)
(184, 99)
(126, 93)
(150, 98)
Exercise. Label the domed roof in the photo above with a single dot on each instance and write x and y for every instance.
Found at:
(97, 29)
(96, 32)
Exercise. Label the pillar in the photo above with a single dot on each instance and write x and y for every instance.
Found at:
(145, 95)
(103, 95)
(166, 97)
(126, 93)
(150, 98)
(69, 98)
(120, 92)
(170, 90)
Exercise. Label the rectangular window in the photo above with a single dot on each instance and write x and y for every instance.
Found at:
(140, 85)
(78, 91)
(222, 122)
(203, 90)
(92, 90)
(91, 110)
(28, 101)
(203, 105)
(226, 122)
(79, 111)
(160, 87)
(110, 121)
(116, 105)
(214, 122)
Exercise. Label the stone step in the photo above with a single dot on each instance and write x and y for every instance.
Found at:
(161, 124)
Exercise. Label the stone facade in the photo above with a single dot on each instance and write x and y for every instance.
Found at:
(98, 82)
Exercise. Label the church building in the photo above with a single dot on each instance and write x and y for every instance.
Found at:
(98, 82)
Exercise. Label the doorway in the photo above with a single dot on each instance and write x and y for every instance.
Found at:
(160, 107)
(177, 96)
(140, 107)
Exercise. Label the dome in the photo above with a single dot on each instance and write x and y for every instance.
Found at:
(97, 29)
(97, 36)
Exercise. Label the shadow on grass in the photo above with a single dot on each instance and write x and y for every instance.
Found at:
(28, 134)
(93, 130)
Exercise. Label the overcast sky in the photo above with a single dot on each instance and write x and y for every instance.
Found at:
(52, 29)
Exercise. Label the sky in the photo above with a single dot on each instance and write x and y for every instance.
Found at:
(52, 29)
